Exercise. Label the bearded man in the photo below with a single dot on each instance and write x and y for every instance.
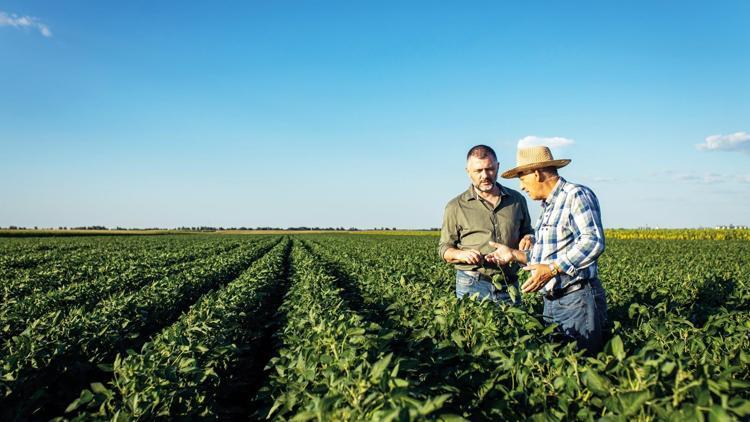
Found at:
(485, 213)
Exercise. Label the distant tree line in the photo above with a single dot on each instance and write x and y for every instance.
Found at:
(81, 228)
(208, 228)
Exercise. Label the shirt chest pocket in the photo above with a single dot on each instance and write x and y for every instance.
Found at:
(556, 227)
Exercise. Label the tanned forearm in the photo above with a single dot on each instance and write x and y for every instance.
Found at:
(451, 256)
(519, 256)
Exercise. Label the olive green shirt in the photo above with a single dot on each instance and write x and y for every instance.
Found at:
(470, 222)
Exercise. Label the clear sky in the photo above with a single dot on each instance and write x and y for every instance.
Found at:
(360, 113)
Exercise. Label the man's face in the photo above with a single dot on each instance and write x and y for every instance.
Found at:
(482, 172)
(531, 184)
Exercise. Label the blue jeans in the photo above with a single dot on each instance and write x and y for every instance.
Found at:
(470, 282)
(582, 316)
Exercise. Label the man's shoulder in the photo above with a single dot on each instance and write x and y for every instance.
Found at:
(576, 188)
(456, 200)
(578, 192)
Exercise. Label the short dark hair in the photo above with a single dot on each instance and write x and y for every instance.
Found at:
(481, 151)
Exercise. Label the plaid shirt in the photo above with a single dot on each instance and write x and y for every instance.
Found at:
(569, 233)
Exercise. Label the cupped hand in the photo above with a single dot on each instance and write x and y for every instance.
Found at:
(471, 256)
(502, 254)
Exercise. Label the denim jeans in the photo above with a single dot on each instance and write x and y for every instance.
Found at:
(582, 316)
(470, 282)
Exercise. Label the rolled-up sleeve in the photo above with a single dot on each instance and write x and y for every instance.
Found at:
(588, 241)
(449, 231)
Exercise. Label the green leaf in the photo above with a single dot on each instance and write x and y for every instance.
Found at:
(99, 388)
(394, 371)
(513, 293)
(618, 349)
(718, 414)
(632, 401)
(449, 417)
(378, 367)
(458, 338)
(496, 281)
(433, 404)
(598, 384)
(740, 407)
(72, 406)
(305, 415)
(550, 328)
(668, 367)
(399, 382)
(85, 397)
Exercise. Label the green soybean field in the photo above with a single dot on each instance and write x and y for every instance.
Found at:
(357, 327)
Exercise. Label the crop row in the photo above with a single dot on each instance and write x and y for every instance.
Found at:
(59, 350)
(333, 364)
(181, 371)
(27, 270)
(16, 315)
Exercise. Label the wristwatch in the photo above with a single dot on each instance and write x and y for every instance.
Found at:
(553, 269)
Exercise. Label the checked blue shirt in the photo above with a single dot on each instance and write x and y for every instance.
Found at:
(569, 233)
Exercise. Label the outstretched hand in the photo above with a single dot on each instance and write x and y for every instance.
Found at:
(502, 254)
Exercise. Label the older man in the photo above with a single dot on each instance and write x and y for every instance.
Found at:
(563, 259)
(486, 212)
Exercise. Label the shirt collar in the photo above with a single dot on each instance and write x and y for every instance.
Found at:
(471, 193)
(555, 191)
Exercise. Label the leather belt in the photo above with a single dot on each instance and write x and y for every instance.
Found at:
(477, 274)
(558, 293)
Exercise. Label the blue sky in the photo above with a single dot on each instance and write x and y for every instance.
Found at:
(145, 114)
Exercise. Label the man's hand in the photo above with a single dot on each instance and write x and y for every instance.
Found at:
(526, 242)
(501, 256)
(540, 275)
(470, 256)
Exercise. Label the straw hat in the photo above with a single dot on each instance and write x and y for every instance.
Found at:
(533, 158)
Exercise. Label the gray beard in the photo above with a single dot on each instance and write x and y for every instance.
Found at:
(485, 190)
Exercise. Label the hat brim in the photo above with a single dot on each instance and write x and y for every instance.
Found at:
(514, 172)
